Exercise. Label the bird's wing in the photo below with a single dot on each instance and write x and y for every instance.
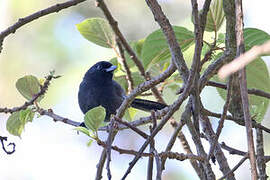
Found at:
(119, 90)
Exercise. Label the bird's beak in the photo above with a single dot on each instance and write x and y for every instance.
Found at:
(110, 69)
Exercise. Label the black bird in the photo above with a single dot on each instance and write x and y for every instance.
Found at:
(98, 88)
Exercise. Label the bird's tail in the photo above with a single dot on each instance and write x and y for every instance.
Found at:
(147, 105)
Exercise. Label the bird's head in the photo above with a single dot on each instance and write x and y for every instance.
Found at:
(102, 68)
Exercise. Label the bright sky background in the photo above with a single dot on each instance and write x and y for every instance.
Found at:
(49, 150)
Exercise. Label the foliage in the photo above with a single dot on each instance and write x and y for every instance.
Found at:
(155, 56)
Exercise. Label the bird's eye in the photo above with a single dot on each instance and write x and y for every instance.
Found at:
(99, 67)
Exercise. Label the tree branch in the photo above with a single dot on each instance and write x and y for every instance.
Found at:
(43, 89)
(125, 65)
(235, 167)
(22, 21)
(101, 4)
(2, 139)
(176, 53)
(243, 88)
(260, 155)
(222, 119)
(253, 91)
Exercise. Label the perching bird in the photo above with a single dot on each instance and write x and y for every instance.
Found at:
(99, 89)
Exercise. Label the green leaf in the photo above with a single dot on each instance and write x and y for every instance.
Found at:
(253, 37)
(137, 78)
(14, 125)
(89, 142)
(26, 115)
(215, 16)
(130, 114)
(98, 31)
(137, 48)
(28, 86)
(93, 118)
(17, 120)
(155, 47)
(82, 130)
(258, 78)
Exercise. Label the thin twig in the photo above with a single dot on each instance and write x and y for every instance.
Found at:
(222, 119)
(151, 159)
(109, 147)
(200, 172)
(22, 21)
(232, 150)
(173, 138)
(125, 65)
(56, 117)
(181, 156)
(213, 68)
(141, 121)
(158, 164)
(170, 154)
(235, 167)
(2, 139)
(260, 155)
(236, 120)
(134, 128)
(218, 153)
(43, 89)
(152, 147)
(100, 164)
(176, 53)
(101, 4)
(254, 91)
(243, 88)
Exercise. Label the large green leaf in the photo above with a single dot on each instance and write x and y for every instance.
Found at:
(17, 120)
(215, 16)
(253, 37)
(257, 77)
(98, 31)
(137, 48)
(28, 86)
(14, 125)
(93, 118)
(155, 47)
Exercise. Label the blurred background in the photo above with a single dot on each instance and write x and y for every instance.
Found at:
(49, 150)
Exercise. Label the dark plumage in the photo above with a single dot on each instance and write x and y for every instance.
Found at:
(98, 88)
